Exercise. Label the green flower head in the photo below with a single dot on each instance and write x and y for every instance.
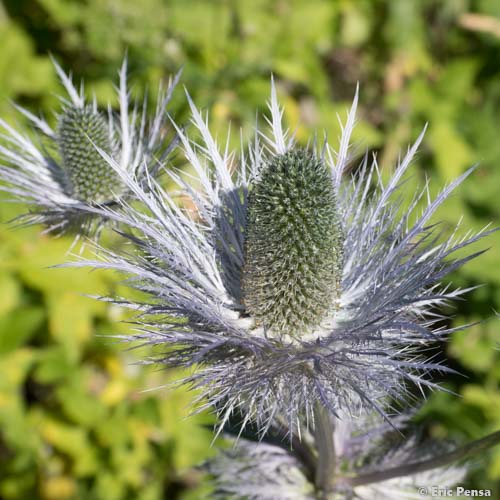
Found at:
(81, 133)
(293, 247)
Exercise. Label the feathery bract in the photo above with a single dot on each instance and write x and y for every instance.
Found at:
(63, 171)
(270, 470)
(294, 283)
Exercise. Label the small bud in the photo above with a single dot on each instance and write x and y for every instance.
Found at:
(293, 245)
(81, 130)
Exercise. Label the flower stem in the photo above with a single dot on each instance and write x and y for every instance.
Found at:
(425, 465)
(325, 468)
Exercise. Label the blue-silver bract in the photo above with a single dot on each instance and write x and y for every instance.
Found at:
(368, 349)
(270, 470)
(59, 172)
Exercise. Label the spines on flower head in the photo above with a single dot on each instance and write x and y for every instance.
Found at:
(293, 245)
(367, 347)
(82, 134)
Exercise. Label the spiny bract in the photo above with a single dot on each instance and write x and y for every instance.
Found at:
(293, 244)
(370, 345)
(80, 131)
(64, 172)
(363, 446)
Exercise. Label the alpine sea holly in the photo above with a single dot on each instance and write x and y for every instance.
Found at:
(295, 289)
(61, 171)
(372, 461)
(301, 297)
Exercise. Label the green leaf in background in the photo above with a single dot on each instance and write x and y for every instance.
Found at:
(19, 326)
(53, 365)
(71, 321)
(11, 293)
(74, 422)
(453, 154)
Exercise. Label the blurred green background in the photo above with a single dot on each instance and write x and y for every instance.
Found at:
(74, 422)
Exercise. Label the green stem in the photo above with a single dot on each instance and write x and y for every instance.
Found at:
(325, 468)
(425, 465)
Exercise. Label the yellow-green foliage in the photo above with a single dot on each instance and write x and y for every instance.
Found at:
(75, 421)
(72, 418)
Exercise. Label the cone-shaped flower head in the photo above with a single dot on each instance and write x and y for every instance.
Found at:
(82, 134)
(63, 171)
(290, 284)
(293, 245)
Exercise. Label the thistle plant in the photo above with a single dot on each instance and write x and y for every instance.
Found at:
(295, 294)
(287, 300)
(301, 298)
(61, 171)
(363, 447)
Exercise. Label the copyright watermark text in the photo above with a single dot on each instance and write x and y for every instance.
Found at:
(459, 491)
